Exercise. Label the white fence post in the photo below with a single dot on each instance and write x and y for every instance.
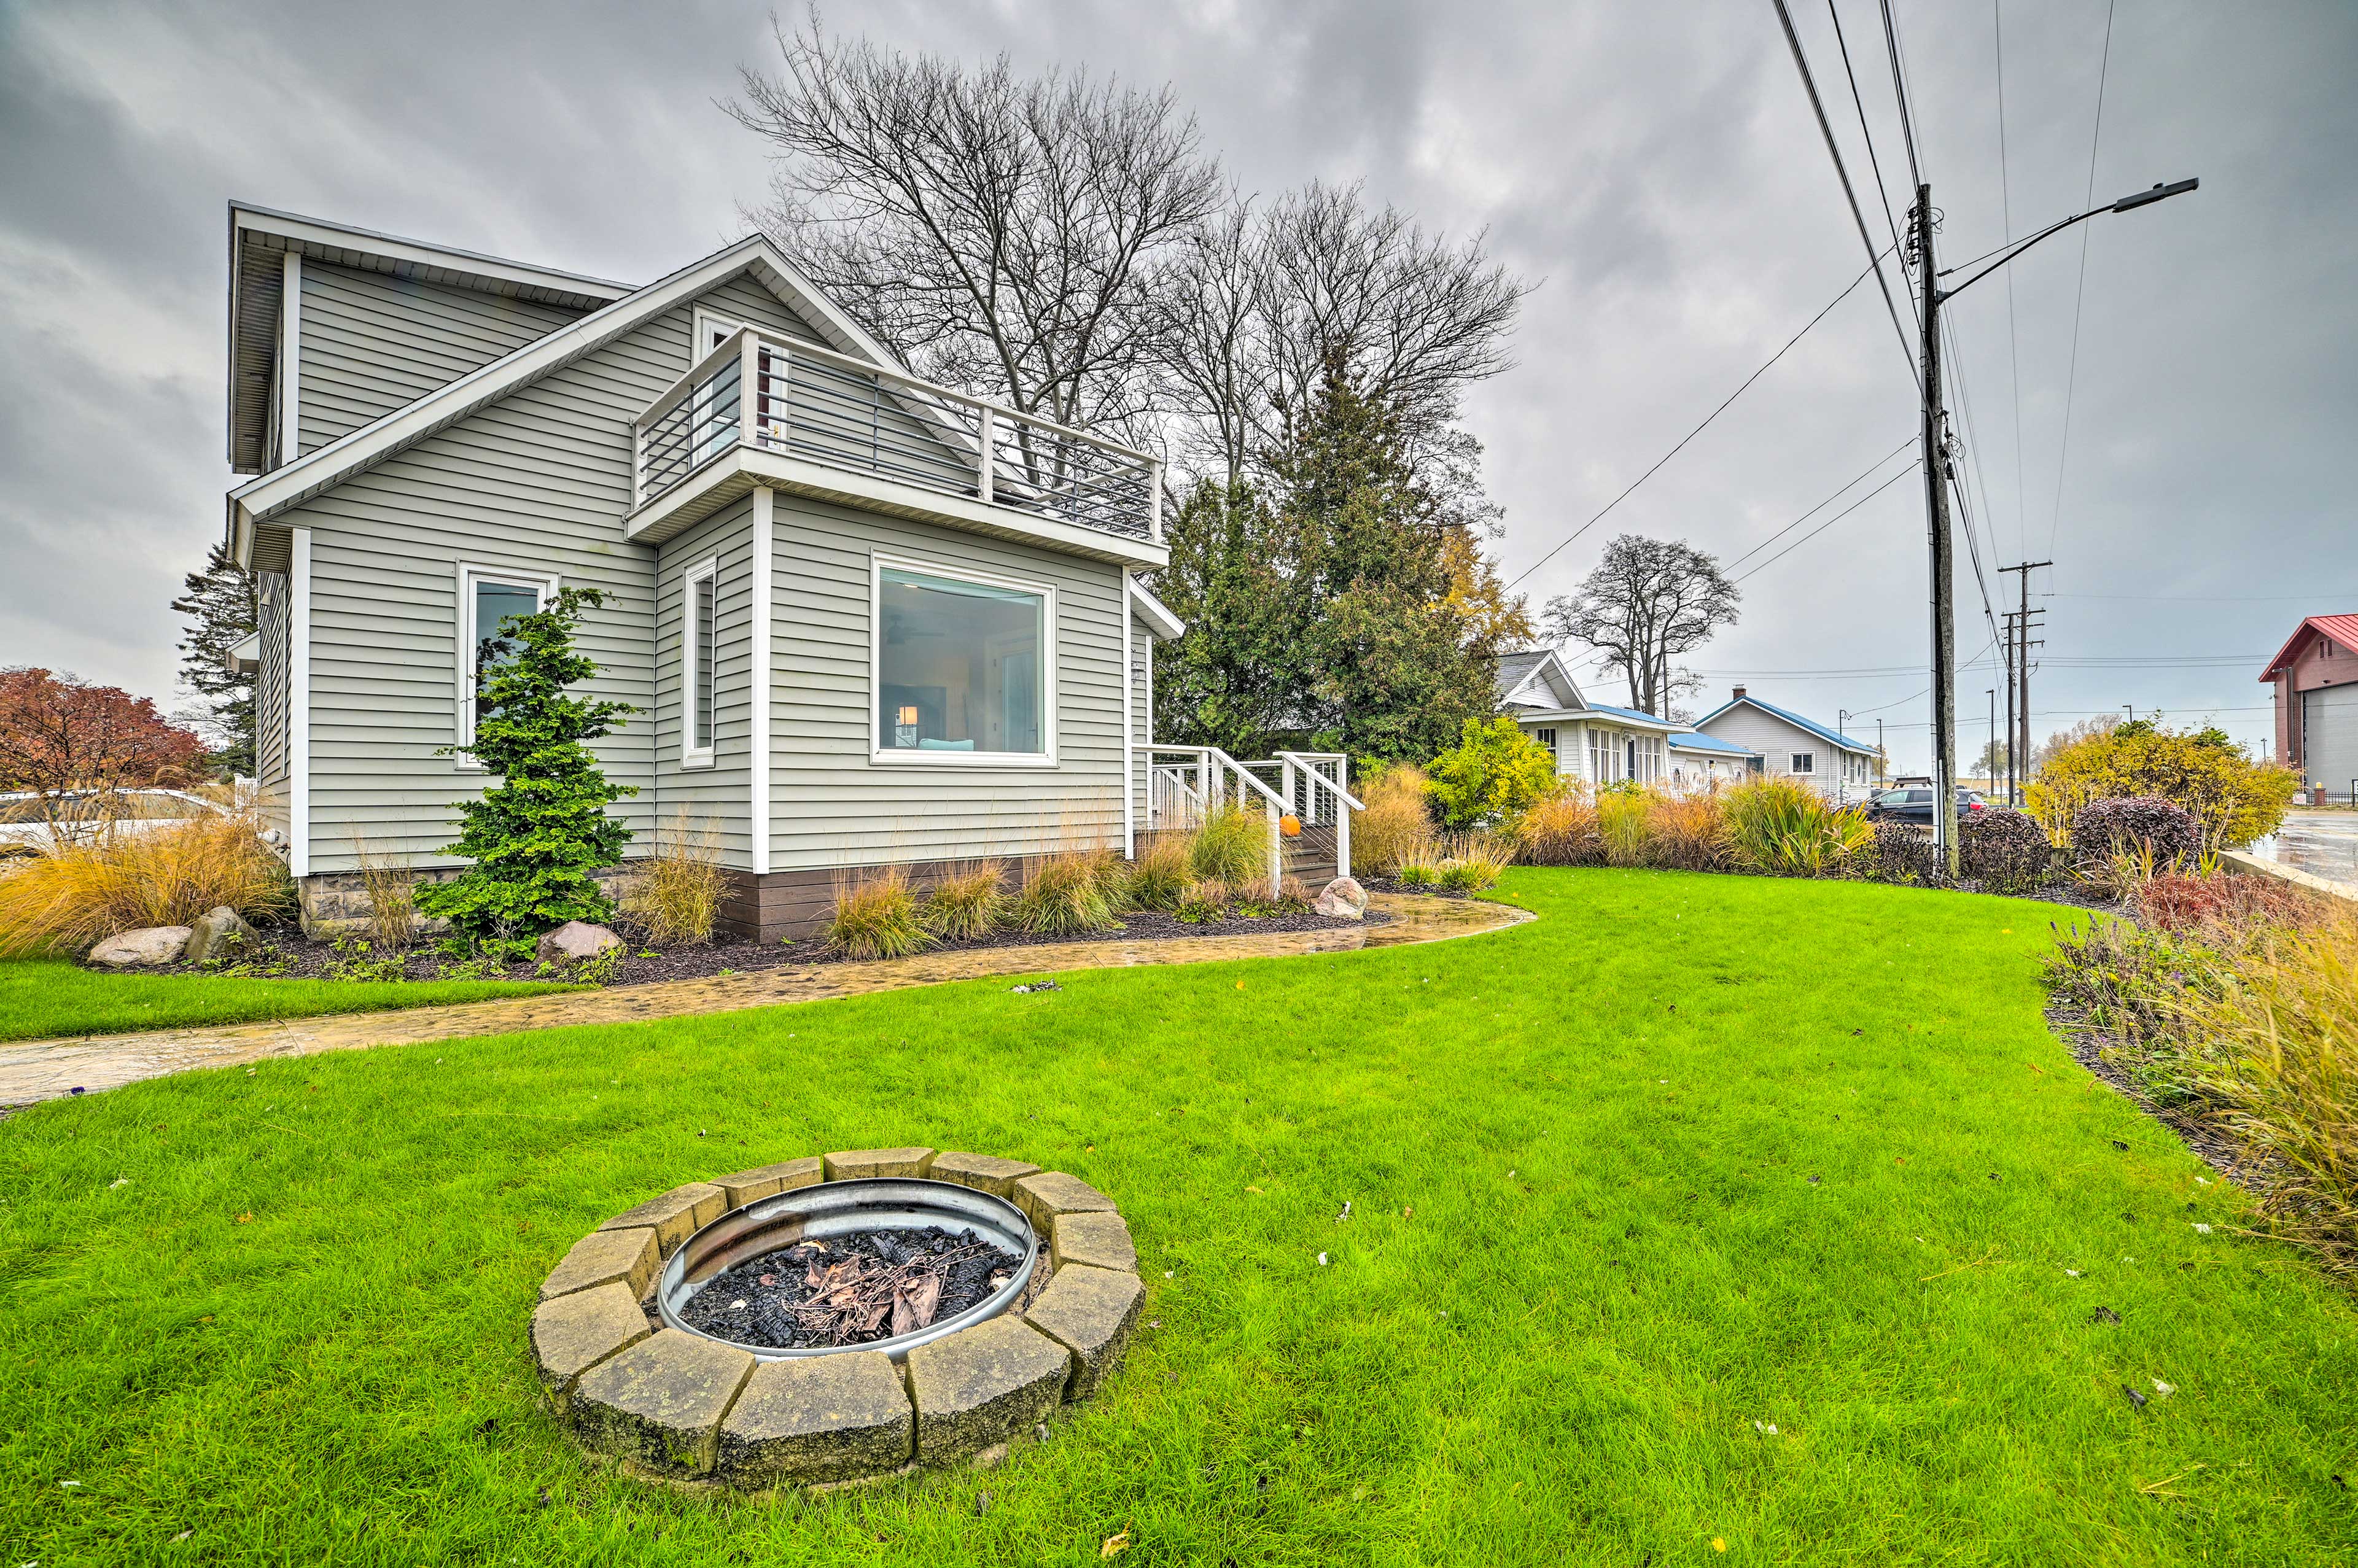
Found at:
(1276, 852)
(989, 433)
(1342, 816)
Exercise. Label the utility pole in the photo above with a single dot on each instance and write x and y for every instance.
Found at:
(2019, 624)
(1878, 751)
(1991, 769)
(1936, 490)
(2005, 649)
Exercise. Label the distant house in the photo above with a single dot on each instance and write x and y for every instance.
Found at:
(1790, 745)
(1593, 743)
(1700, 760)
(2316, 677)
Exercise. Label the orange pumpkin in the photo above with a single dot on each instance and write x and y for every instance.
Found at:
(1289, 825)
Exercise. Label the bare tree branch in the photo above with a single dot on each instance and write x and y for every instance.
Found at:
(1647, 601)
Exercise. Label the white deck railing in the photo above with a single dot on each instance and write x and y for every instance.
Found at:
(797, 399)
(1185, 784)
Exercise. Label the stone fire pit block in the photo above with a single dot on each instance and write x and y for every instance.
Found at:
(1090, 1311)
(1043, 1197)
(661, 1401)
(768, 1181)
(574, 1332)
(827, 1418)
(676, 1215)
(981, 1385)
(1095, 1240)
(857, 1164)
(983, 1172)
(627, 1257)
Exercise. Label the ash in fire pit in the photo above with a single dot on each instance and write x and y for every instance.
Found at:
(851, 1289)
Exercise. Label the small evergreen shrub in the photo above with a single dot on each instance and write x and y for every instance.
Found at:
(876, 917)
(967, 903)
(2140, 826)
(2004, 850)
(1065, 893)
(536, 836)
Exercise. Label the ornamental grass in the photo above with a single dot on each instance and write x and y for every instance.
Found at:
(1069, 892)
(79, 894)
(1160, 874)
(876, 916)
(1230, 845)
(679, 888)
(1397, 825)
(1785, 828)
(970, 902)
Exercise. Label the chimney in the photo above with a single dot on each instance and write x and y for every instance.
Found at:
(1739, 693)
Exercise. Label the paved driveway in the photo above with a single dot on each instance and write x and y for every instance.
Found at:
(2322, 843)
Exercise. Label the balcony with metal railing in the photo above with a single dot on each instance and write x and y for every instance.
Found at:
(765, 410)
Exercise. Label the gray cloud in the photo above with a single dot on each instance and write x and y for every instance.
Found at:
(1657, 166)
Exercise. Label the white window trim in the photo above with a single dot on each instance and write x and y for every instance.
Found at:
(463, 714)
(1803, 763)
(702, 343)
(691, 755)
(896, 757)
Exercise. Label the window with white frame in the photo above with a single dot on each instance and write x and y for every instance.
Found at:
(488, 599)
(1604, 758)
(711, 331)
(1545, 737)
(699, 661)
(1805, 763)
(963, 666)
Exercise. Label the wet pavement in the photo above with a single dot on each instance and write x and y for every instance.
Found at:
(36, 1070)
(2322, 843)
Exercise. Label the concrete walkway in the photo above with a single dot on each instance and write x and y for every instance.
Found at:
(2321, 843)
(38, 1070)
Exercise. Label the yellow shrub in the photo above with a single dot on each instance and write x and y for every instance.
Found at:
(2234, 798)
(81, 893)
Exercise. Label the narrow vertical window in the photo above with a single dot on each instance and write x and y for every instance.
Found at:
(486, 604)
(701, 663)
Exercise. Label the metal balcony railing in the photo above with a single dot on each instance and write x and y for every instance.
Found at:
(795, 399)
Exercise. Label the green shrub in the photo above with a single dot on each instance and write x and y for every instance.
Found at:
(1464, 876)
(1232, 845)
(1492, 775)
(1159, 875)
(1065, 892)
(1777, 825)
(538, 835)
(876, 916)
(1205, 903)
(967, 903)
(1416, 875)
(2234, 799)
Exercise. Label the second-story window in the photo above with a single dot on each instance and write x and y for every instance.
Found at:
(701, 667)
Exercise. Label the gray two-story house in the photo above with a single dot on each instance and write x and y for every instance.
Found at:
(866, 620)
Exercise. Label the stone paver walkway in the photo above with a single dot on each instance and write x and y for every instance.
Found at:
(36, 1070)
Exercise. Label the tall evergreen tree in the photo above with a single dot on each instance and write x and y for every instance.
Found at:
(1235, 680)
(219, 602)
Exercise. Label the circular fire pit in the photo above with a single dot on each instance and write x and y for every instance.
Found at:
(838, 1318)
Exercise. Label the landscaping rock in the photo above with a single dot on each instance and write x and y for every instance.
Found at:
(981, 1385)
(573, 942)
(1090, 1311)
(854, 1164)
(1343, 899)
(743, 1187)
(1098, 1240)
(676, 1215)
(574, 1332)
(216, 933)
(661, 1401)
(148, 947)
(1044, 1195)
(984, 1173)
(626, 1258)
(826, 1418)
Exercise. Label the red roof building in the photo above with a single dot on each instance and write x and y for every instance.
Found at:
(2316, 679)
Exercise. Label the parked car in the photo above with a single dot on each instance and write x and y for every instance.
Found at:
(29, 824)
(1916, 804)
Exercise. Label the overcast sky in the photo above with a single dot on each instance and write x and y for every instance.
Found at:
(1656, 168)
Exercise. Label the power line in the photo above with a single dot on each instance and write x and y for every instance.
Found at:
(1873, 265)
(1822, 505)
(1881, 190)
(1900, 93)
(1830, 522)
(2208, 598)
(1825, 128)
(2072, 377)
(2005, 209)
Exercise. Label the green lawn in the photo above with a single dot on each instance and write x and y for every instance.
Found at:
(40, 998)
(285, 1311)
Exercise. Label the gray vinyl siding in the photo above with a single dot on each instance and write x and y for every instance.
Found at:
(717, 799)
(270, 691)
(830, 804)
(1776, 741)
(373, 342)
(538, 483)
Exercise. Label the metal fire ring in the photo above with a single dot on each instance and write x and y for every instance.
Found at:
(840, 1208)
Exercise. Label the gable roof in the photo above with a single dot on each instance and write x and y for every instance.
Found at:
(1631, 715)
(1695, 741)
(1832, 737)
(1161, 624)
(2342, 630)
(294, 482)
(1537, 677)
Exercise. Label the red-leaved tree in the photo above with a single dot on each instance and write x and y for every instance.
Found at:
(61, 738)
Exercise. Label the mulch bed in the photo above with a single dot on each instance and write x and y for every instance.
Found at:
(849, 1289)
(292, 955)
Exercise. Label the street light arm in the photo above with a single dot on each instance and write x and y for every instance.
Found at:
(2126, 204)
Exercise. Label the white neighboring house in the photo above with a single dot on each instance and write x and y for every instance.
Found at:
(1704, 761)
(1593, 743)
(1793, 746)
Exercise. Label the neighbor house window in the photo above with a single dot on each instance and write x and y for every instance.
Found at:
(700, 661)
(963, 667)
(1603, 756)
(1805, 761)
(1545, 737)
(487, 598)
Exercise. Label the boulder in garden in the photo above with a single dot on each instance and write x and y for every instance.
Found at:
(1344, 899)
(150, 946)
(574, 942)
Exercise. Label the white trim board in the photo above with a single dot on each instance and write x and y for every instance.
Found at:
(299, 706)
(1128, 728)
(290, 359)
(764, 596)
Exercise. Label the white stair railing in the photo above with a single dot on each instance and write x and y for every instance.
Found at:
(1209, 779)
(1326, 797)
